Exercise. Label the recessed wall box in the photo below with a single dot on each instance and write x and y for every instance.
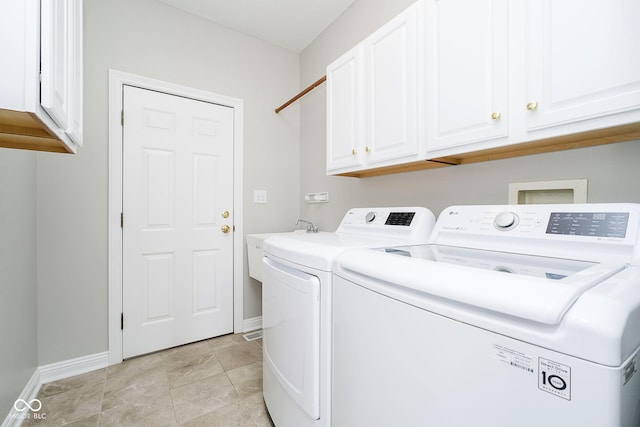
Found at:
(564, 191)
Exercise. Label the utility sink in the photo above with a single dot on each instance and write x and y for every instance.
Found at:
(255, 253)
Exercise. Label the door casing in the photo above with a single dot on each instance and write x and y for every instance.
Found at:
(117, 80)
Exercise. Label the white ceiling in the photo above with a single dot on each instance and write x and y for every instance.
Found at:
(292, 24)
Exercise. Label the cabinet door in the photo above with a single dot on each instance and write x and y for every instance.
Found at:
(54, 57)
(582, 60)
(344, 111)
(467, 81)
(391, 76)
(75, 124)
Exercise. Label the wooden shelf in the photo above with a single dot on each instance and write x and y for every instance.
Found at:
(587, 139)
(23, 130)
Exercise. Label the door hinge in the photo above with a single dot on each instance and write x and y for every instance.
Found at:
(122, 321)
(121, 219)
(122, 117)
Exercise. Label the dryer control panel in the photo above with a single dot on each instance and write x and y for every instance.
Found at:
(413, 223)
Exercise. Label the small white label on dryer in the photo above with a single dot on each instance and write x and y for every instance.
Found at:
(513, 357)
(554, 378)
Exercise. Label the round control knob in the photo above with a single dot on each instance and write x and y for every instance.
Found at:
(505, 220)
(370, 217)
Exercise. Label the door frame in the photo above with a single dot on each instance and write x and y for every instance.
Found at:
(117, 81)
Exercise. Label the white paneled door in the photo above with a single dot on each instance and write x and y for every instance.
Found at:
(177, 221)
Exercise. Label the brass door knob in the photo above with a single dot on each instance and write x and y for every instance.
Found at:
(353, 152)
(496, 115)
(532, 106)
(367, 149)
(225, 229)
(225, 214)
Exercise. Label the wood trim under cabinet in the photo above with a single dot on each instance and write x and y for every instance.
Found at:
(622, 133)
(23, 130)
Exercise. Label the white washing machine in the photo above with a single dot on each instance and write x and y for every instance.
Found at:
(517, 315)
(296, 306)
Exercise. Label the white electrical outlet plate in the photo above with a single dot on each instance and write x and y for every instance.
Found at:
(259, 196)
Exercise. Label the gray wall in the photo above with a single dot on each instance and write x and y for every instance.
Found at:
(18, 305)
(151, 39)
(612, 170)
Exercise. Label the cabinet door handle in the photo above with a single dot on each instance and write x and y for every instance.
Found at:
(367, 149)
(496, 115)
(353, 151)
(532, 106)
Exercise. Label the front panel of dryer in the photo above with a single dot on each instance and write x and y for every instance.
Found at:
(291, 324)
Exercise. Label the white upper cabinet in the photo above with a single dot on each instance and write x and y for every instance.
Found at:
(501, 73)
(373, 98)
(41, 77)
(467, 72)
(582, 62)
(54, 60)
(75, 125)
(344, 111)
(391, 57)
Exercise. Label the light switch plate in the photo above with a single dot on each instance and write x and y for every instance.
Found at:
(259, 196)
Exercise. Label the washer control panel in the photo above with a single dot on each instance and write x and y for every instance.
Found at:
(506, 220)
(579, 221)
(598, 231)
(599, 224)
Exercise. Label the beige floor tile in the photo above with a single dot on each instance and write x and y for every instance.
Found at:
(93, 421)
(68, 407)
(67, 384)
(194, 370)
(207, 395)
(247, 379)
(128, 376)
(226, 341)
(234, 414)
(180, 356)
(144, 410)
(216, 382)
(135, 366)
(238, 355)
(144, 390)
(256, 407)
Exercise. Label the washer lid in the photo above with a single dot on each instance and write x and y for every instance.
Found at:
(543, 291)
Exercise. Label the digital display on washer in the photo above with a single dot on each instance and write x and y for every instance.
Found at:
(596, 224)
(400, 218)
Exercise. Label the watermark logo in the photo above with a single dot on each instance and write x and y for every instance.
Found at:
(23, 407)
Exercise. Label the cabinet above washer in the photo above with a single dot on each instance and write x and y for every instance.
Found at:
(499, 79)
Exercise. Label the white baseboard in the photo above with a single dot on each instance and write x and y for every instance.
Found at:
(53, 372)
(249, 325)
(73, 367)
(30, 391)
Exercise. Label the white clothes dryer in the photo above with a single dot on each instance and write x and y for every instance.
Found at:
(296, 306)
(522, 315)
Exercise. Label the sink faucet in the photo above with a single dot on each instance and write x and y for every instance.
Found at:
(310, 227)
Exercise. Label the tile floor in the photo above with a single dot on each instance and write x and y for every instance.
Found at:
(212, 383)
